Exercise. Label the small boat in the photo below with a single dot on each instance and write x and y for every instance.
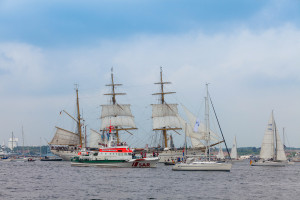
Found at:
(52, 158)
(172, 162)
(272, 150)
(29, 159)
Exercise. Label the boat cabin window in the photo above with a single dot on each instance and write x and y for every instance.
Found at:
(95, 154)
(129, 154)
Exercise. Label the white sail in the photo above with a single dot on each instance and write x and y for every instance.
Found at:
(122, 121)
(195, 137)
(169, 121)
(64, 137)
(117, 115)
(95, 139)
(116, 110)
(220, 154)
(165, 115)
(164, 110)
(202, 128)
(233, 153)
(280, 153)
(267, 147)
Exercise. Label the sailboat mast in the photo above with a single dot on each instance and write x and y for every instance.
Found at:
(185, 143)
(275, 143)
(12, 141)
(23, 141)
(78, 117)
(283, 137)
(207, 123)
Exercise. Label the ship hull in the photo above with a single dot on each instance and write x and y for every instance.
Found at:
(170, 155)
(65, 155)
(269, 164)
(134, 163)
(203, 166)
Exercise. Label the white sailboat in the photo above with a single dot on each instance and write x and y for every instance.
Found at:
(233, 154)
(220, 155)
(66, 144)
(204, 165)
(272, 150)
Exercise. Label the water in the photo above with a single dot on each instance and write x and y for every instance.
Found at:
(58, 180)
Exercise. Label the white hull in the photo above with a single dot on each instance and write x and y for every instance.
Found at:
(240, 160)
(166, 156)
(269, 164)
(202, 166)
(65, 155)
(134, 163)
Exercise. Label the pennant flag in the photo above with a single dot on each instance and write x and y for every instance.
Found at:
(197, 124)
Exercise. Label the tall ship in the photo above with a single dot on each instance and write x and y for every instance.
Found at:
(112, 151)
(66, 144)
(272, 151)
(167, 121)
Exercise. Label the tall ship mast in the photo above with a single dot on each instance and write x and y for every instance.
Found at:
(65, 143)
(164, 115)
(116, 115)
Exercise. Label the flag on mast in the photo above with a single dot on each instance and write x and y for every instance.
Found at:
(197, 124)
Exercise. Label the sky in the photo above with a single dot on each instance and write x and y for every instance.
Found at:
(248, 52)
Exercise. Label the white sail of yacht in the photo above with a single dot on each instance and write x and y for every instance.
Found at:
(272, 150)
(233, 153)
(280, 153)
(200, 133)
(196, 139)
(221, 154)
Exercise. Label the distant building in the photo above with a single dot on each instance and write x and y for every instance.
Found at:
(12, 143)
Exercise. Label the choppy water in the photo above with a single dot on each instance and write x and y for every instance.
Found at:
(58, 180)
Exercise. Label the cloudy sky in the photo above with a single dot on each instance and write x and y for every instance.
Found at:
(249, 52)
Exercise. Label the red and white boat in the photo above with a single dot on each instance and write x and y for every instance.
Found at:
(113, 156)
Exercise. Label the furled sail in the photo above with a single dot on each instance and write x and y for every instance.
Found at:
(64, 137)
(267, 147)
(280, 153)
(117, 115)
(165, 115)
(233, 153)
